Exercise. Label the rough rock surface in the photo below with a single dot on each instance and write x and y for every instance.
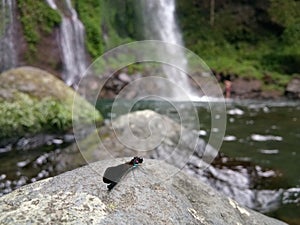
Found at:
(142, 197)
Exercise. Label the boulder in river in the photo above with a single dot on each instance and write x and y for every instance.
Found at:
(293, 88)
(246, 88)
(142, 197)
(34, 101)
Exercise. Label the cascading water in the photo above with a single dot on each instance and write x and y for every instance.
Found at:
(8, 55)
(71, 41)
(160, 24)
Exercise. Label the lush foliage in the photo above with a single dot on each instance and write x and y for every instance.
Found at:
(108, 24)
(37, 19)
(248, 38)
(28, 115)
(90, 14)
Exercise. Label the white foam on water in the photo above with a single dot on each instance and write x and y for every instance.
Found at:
(259, 137)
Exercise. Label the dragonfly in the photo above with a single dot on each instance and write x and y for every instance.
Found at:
(113, 175)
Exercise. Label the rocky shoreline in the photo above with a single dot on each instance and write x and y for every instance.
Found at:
(241, 87)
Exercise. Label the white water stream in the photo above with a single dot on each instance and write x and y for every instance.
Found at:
(8, 55)
(160, 24)
(71, 41)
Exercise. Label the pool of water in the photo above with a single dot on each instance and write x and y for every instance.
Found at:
(268, 135)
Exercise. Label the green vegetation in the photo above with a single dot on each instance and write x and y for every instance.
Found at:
(29, 115)
(37, 19)
(90, 14)
(32, 101)
(107, 24)
(245, 38)
(251, 39)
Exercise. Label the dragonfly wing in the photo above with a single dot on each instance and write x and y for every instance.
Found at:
(115, 173)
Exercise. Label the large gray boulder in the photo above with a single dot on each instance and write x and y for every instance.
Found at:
(149, 134)
(142, 197)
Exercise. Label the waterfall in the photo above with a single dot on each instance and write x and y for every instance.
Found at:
(8, 54)
(71, 41)
(160, 24)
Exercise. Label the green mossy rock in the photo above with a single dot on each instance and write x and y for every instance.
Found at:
(33, 101)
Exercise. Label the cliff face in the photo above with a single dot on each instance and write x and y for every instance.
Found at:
(106, 24)
(37, 34)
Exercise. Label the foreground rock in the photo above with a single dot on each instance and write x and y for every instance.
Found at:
(178, 146)
(143, 197)
(32, 101)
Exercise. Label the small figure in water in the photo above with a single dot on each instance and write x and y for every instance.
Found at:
(227, 82)
(113, 175)
(228, 88)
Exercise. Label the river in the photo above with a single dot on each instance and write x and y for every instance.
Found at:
(265, 134)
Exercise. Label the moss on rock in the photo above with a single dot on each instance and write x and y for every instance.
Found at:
(33, 100)
(37, 19)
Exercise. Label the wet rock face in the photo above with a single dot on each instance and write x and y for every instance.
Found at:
(293, 88)
(142, 197)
